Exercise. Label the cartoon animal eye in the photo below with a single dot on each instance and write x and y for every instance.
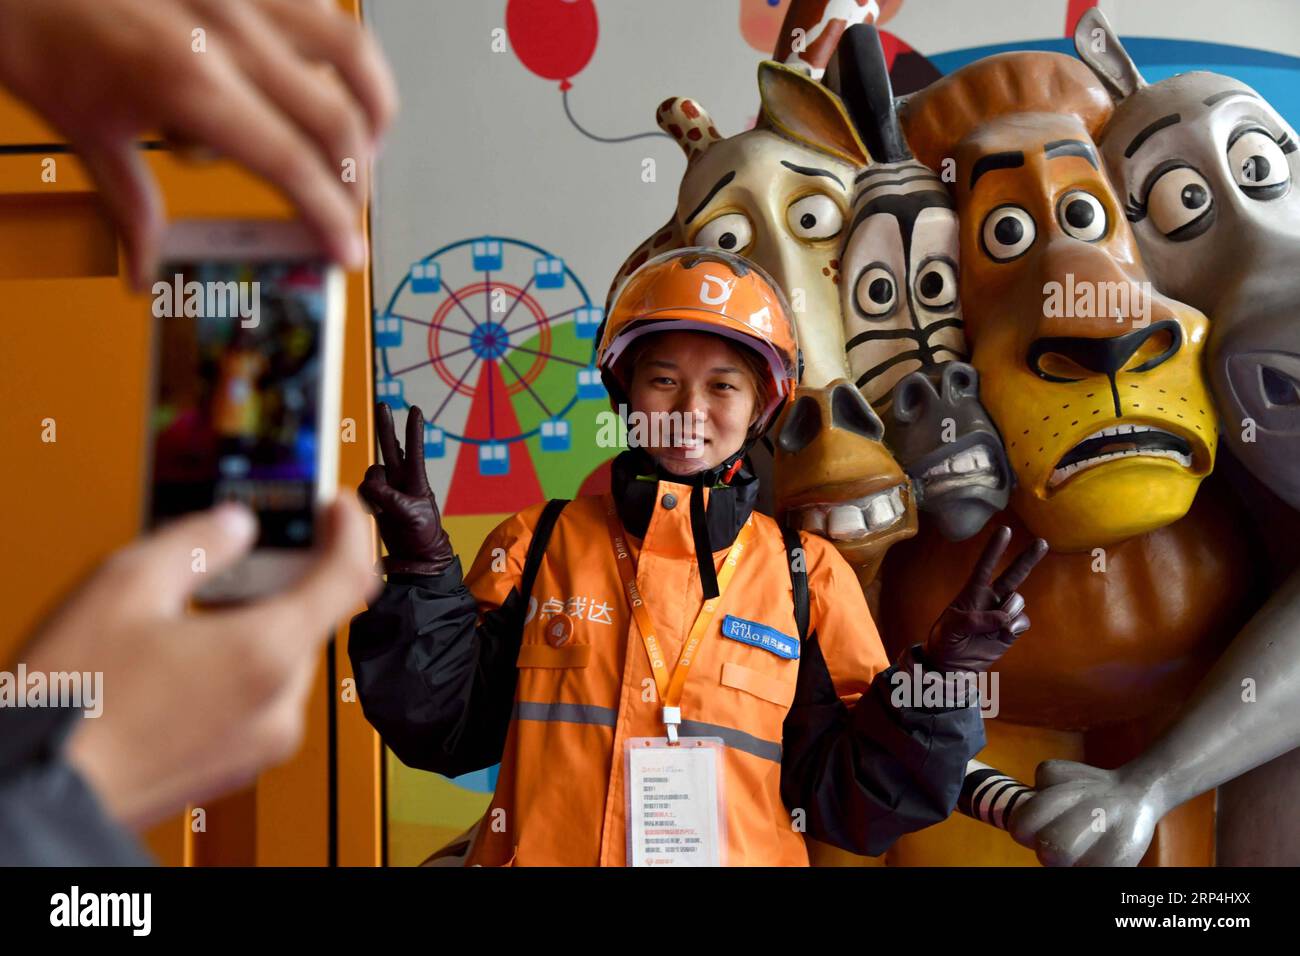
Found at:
(1258, 164)
(1181, 203)
(814, 217)
(1008, 233)
(875, 292)
(1082, 216)
(936, 286)
(731, 231)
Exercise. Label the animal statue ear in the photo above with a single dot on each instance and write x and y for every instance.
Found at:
(689, 123)
(859, 74)
(801, 109)
(1099, 47)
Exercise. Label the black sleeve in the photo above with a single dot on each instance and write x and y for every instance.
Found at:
(437, 684)
(866, 775)
(48, 814)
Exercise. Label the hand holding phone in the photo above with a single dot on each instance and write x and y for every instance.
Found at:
(249, 319)
(201, 703)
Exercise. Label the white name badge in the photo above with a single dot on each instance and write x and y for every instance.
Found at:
(675, 810)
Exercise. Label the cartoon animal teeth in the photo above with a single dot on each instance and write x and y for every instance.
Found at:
(846, 522)
(855, 518)
(1153, 443)
(974, 459)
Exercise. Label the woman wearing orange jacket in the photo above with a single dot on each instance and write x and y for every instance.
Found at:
(667, 677)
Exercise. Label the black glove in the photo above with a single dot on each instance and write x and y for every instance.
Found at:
(985, 619)
(398, 494)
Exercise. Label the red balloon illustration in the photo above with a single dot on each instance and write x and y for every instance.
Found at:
(553, 38)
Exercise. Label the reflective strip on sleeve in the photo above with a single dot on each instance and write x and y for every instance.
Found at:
(735, 739)
(556, 712)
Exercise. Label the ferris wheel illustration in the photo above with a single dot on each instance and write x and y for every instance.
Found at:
(484, 334)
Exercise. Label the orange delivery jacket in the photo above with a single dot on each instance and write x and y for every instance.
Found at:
(458, 675)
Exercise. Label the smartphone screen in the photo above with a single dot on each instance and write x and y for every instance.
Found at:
(236, 414)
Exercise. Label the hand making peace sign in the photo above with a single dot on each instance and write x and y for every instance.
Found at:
(985, 619)
(398, 494)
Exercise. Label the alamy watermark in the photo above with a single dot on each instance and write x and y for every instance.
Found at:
(81, 689)
(133, 911)
(208, 300)
(651, 430)
(921, 687)
(1087, 299)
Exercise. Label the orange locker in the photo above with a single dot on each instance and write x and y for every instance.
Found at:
(76, 347)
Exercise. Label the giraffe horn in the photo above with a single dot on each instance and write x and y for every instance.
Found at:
(689, 124)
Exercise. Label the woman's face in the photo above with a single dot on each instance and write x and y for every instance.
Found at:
(693, 400)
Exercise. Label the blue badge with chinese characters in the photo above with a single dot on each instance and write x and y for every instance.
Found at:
(760, 635)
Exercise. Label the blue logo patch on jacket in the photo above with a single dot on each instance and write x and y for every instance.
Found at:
(760, 635)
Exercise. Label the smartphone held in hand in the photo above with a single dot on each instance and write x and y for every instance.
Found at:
(248, 327)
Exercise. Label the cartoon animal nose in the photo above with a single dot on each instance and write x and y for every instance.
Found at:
(921, 392)
(841, 406)
(1101, 356)
(960, 381)
(914, 396)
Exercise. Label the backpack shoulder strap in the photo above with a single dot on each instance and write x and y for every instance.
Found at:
(537, 546)
(798, 562)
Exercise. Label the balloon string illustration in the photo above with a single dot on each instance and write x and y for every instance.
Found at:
(605, 139)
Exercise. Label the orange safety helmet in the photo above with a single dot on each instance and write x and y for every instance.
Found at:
(705, 290)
